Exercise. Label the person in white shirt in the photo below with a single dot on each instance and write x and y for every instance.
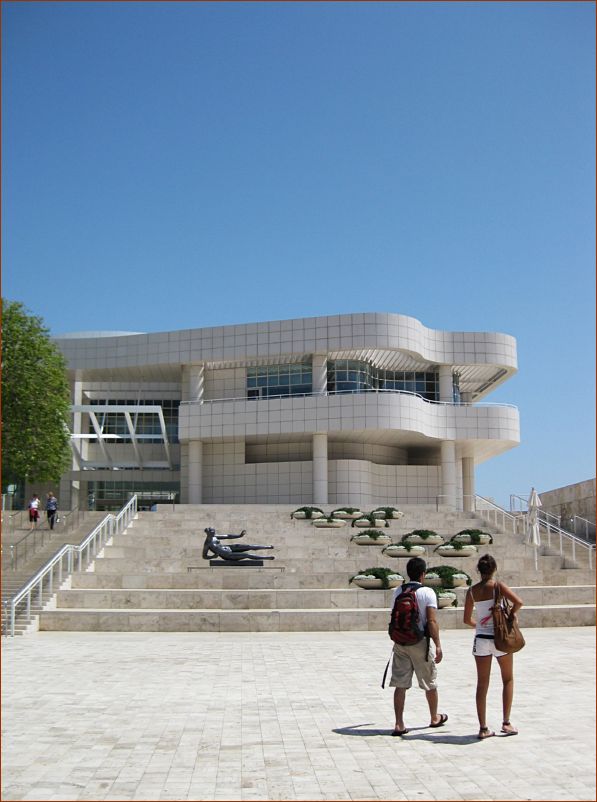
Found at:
(419, 658)
(33, 506)
(479, 603)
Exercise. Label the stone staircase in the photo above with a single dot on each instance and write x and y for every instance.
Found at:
(152, 577)
(13, 581)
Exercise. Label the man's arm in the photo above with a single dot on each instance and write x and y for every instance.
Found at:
(433, 629)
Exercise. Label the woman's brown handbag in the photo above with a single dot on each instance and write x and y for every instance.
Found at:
(507, 635)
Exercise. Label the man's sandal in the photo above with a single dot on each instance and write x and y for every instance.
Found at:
(485, 732)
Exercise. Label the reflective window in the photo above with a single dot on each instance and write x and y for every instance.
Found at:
(348, 376)
(277, 381)
(145, 424)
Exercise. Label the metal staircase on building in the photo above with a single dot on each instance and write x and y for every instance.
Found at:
(152, 577)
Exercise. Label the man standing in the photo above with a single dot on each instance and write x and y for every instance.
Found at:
(420, 657)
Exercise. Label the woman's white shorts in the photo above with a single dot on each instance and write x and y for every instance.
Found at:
(485, 647)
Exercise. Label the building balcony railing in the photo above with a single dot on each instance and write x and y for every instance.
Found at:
(366, 391)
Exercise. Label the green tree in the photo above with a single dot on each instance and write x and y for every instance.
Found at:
(35, 400)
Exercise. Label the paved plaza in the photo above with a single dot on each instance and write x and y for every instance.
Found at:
(275, 716)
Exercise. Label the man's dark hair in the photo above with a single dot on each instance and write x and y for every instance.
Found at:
(415, 567)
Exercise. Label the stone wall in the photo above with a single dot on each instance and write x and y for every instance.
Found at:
(577, 499)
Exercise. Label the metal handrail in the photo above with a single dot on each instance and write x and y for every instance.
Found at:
(351, 392)
(577, 522)
(491, 512)
(544, 520)
(90, 546)
(44, 532)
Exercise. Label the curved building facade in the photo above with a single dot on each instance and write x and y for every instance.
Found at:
(358, 409)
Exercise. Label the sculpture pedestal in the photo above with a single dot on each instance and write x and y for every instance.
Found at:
(236, 563)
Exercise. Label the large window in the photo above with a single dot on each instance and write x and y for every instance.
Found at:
(114, 495)
(145, 424)
(275, 381)
(349, 376)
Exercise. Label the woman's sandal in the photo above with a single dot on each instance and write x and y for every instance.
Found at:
(511, 731)
(485, 732)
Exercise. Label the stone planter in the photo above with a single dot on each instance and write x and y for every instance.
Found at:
(432, 580)
(367, 540)
(302, 515)
(368, 582)
(323, 523)
(450, 551)
(373, 583)
(396, 514)
(459, 580)
(432, 540)
(446, 599)
(367, 523)
(483, 539)
(399, 551)
(348, 515)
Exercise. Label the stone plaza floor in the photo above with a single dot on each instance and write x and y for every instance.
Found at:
(276, 716)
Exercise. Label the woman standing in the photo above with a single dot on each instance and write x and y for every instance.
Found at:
(51, 508)
(480, 599)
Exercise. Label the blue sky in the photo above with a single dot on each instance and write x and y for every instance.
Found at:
(178, 165)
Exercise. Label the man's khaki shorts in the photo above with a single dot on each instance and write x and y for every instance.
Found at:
(409, 659)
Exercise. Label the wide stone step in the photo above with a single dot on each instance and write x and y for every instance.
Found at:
(258, 620)
(192, 599)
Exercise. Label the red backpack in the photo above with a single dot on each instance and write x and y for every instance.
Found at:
(405, 625)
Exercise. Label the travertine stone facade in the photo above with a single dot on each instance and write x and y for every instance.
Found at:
(349, 409)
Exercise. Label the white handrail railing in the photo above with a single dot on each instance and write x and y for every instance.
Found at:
(551, 524)
(499, 517)
(349, 392)
(89, 548)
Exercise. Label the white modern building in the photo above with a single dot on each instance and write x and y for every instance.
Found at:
(355, 409)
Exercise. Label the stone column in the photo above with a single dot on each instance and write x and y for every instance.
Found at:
(320, 374)
(468, 483)
(195, 471)
(448, 452)
(320, 469)
(459, 491)
(446, 389)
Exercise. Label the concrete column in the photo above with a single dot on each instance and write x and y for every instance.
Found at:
(459, 506)
(446, 390)
(466, 398)
(320, 374)
(468, 484)
(320, 469)
(193, 382)
(195, 471)
(448, 453)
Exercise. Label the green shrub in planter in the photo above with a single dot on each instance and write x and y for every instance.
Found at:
(369, 516)
(387, 511)
(378, 573)
(456, 544)
(406, 545)
(446, 572)
(439, 592)
(308, 511)
(374, 534)
(347, 510)
(474, 535)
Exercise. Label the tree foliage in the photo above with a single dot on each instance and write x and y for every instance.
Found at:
(35, 400)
